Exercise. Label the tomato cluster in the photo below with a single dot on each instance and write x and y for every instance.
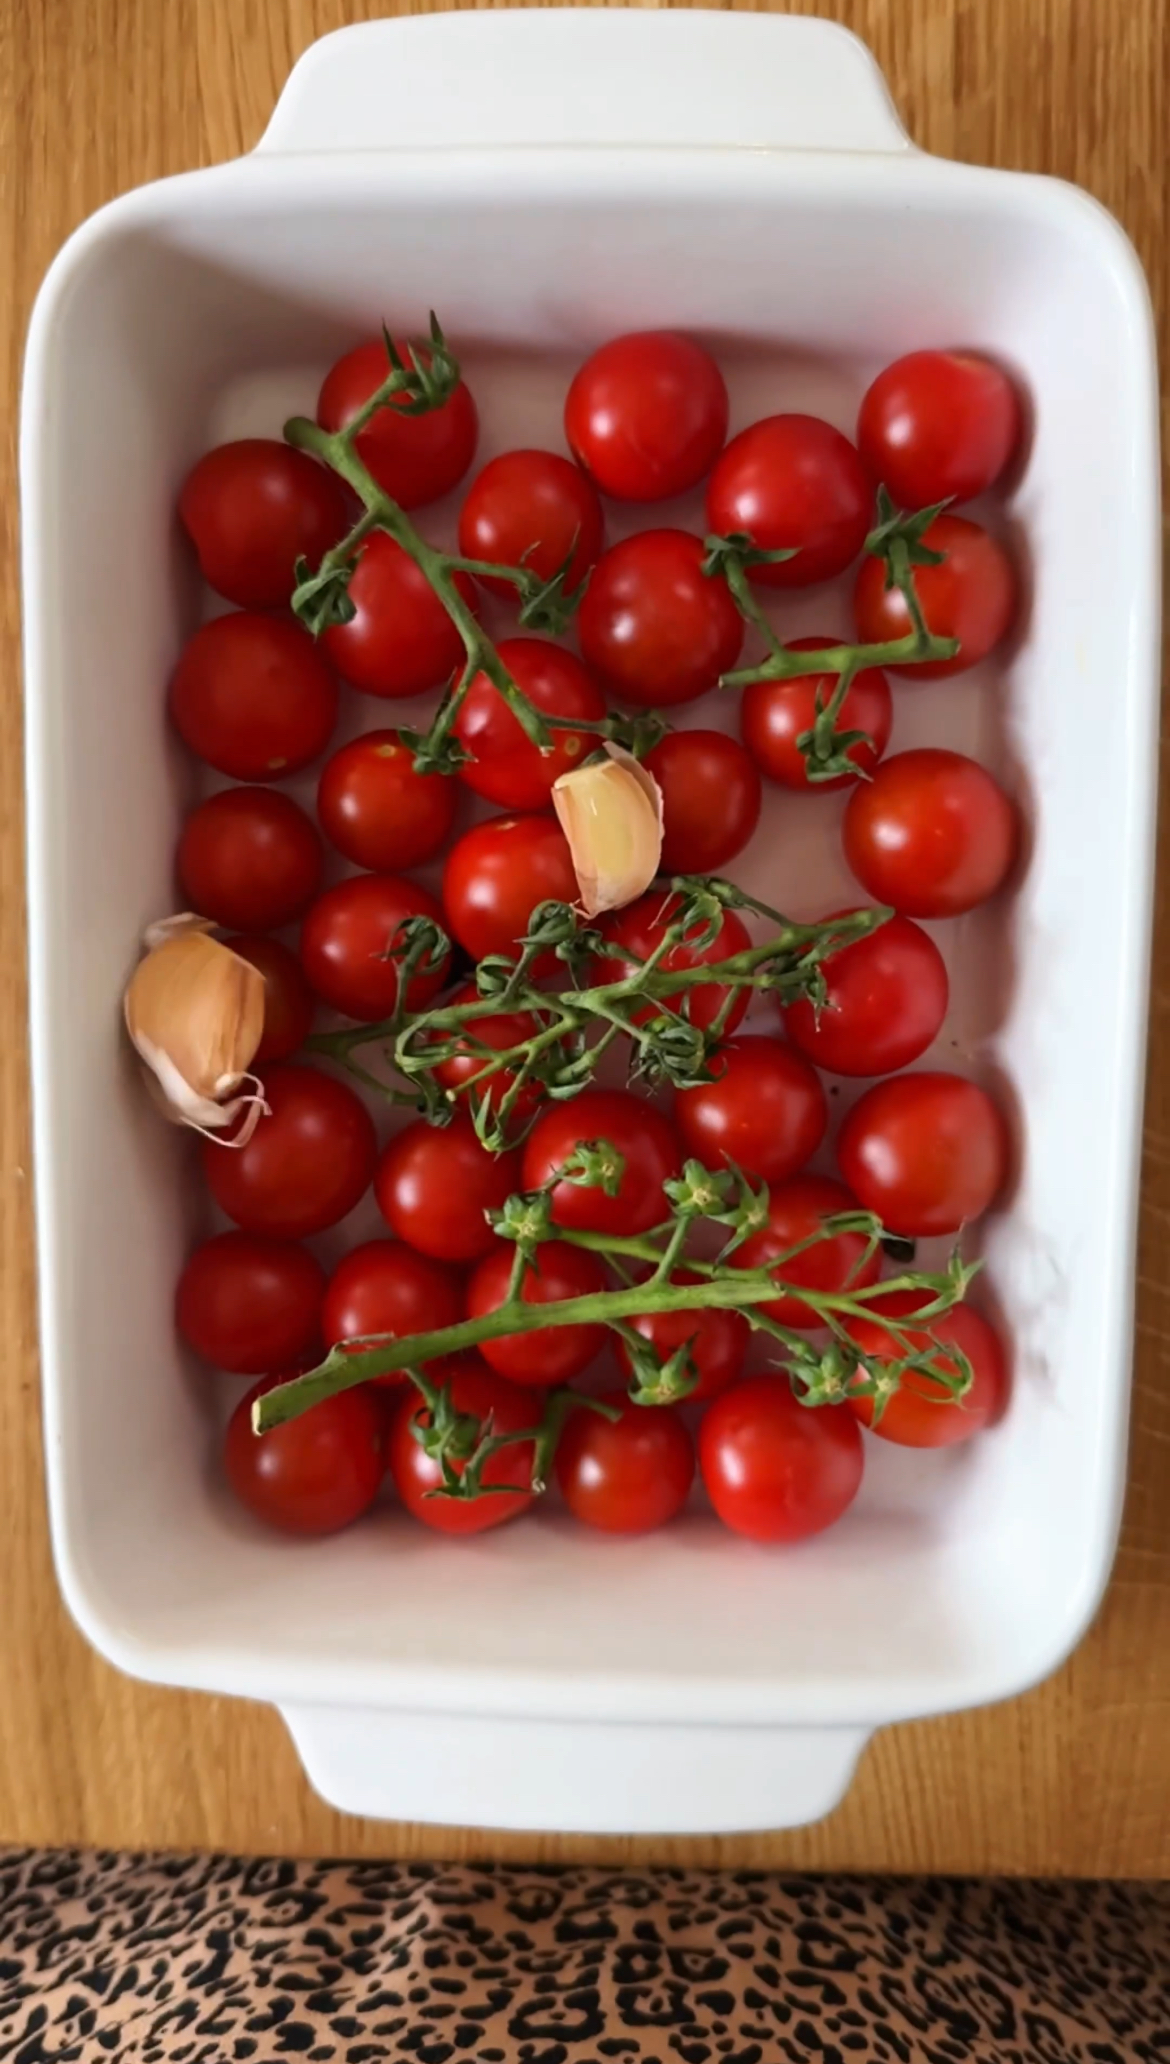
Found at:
(928, 832)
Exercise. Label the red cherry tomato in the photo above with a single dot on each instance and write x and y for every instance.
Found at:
(653, 626)
(928, 1153)
(249, 858)
(415, 458)
(939, 426)
(646, 415)
(250, 1304)
(289, 1004)
(252, 697)
(251, 510)
(637, 930)
(793, 483)
(765, 1110)
(506, 1408)
(377, 810)
(797, 1210)
(496, 875)
(971, 596)
(306, 1165)
(401, 640)
(626, 1475)
(887, 998)
(383, 1286)
(774, 714)
(552, 1354)
(922, 1413)
(532, 509)
(313, 1475)
(710, 799)
(639, 1133)
(346, 940)
(932, 833)
(435, 1185)
(774, 1469)
(716, 1341)
(505, 766)
(462, 1073)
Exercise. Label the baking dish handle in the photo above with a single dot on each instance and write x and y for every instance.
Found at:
(558, 76)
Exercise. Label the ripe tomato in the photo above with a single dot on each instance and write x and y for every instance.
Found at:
(646, 415)
(307, 1163)
(921, 1413)
(637, 930)
(289, 1003)
(505, 766)
(796, 1210)
(774, 714)
(939, 426)
(887, 998)
(251, 510)
(932, 833)
(793, 483)
(374, 807)
(507, 1408)
(972, 596)
(401, 641)
(313, 1475)
(625, 1475)
(250, 1304)
(928, 1153)
(638, 1132)
(249, 858)
(385, 1287)
(252, 697)
(776, 1470)
(346, 939)
(495, 876)
(532, 509)
(553, 1353)
(653, 626)
(415, 458)
(716, 1340)
(435, 1185)
(710, 799)
(462, 1072)
(765, 1110)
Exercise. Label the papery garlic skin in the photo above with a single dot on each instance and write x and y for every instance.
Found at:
(195, 1014)
(610, 811)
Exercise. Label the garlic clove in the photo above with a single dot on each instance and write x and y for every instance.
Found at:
(195, 1013)
(610, 811)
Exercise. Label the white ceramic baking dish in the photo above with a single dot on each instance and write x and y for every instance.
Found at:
(545, 179)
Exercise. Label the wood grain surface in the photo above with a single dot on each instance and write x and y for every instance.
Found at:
(97, 96)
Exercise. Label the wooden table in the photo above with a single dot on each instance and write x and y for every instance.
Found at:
(97, 96)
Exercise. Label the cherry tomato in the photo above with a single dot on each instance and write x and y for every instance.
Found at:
(626, 1475)
(553, 1353)
(764, 1112)
(383, 1286)
(313, 1475)
(374, 807)
(249, 1304)
(505, 766)
(252, 697)
(251, 510)
(435, 1185)
(415, 458)
(637, 930)
(401, 640)
(774, 714)
(289, 1003)
(346, 940)
(921, 1413)
(887, 998)
(716, 1341)
(932, 833)
(793, 483)
(306, 1165)
(496, 875)
(928, 1153)
(776, 1470)
(971, 596)
(249, 858)
(653, 626)
(646, 415)
(532, 509)
(507, 1408)
(939, 426)
(462, 1073)
(797, 1209)
(639, 1133)
(710, 799)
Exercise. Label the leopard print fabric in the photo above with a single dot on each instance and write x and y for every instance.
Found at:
(196, 1960)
